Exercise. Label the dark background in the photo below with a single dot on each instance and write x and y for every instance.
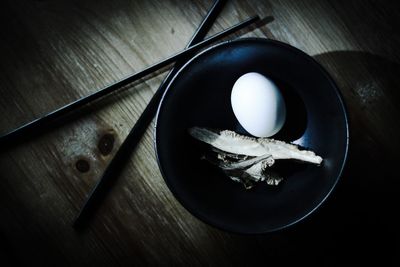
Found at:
(52, 52)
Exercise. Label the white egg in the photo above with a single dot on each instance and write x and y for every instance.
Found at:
(258, 105)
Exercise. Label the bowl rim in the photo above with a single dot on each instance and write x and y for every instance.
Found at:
(256, 40)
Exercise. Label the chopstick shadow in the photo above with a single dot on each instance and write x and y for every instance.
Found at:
(260, 24)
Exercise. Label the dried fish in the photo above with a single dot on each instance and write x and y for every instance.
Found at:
(247, 170)
(234, 143)
(246, 159)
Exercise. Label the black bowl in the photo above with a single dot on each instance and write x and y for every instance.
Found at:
(199, 95)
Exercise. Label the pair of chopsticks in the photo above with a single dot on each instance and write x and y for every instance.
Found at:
(126, 148)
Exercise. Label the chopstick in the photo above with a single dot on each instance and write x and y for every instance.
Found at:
(30, 128)
(122, 155)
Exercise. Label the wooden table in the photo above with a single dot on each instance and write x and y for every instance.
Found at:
(53, 52)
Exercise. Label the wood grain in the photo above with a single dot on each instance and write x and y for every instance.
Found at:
(53, 52)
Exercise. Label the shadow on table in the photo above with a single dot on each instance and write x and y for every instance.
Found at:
(359, 221)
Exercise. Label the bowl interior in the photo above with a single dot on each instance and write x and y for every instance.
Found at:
(199, 95)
